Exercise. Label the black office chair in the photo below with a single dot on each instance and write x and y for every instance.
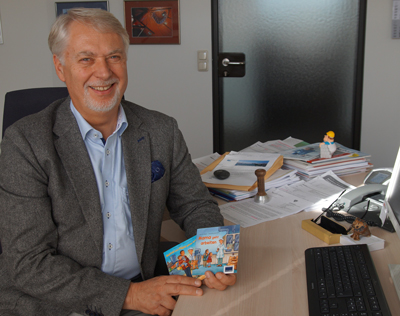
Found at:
(20, 103)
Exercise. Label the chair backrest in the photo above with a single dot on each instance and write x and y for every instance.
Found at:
(20, 103)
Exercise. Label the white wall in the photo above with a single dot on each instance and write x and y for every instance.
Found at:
(161, 77)
(381, 100)
(165, 77)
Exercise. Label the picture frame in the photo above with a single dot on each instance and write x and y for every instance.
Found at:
(63, 7)
(152, 22)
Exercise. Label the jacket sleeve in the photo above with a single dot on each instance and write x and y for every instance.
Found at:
(190, 203)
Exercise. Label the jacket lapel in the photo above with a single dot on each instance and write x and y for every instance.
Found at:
(75, 159)
(137, 157)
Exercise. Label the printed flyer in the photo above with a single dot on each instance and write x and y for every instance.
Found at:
(213, 248)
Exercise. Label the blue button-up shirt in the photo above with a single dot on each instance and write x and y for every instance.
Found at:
(119, 251)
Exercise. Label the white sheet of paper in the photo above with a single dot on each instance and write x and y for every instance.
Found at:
(241, 167)
(248, 213)
(272, 146)
(286, 200)
(205, 161)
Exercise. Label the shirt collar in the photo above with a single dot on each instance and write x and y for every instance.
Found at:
(85, 127)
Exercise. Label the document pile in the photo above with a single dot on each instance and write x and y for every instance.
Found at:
(306, 160)
(241, 183)
(301, 161)
(287, 200)
(279, 178)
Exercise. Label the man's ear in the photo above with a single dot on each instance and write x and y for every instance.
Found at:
(59, 68)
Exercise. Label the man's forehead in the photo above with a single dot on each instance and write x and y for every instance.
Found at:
(93, 53)
(88, 38)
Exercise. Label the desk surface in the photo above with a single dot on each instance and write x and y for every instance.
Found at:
(271, 277)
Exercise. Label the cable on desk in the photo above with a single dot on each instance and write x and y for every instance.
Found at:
(348, 218)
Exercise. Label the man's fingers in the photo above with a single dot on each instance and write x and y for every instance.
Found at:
(227, 279)
(182, 280)
(168, 303)
(182, 285)
(154, 296)
(183, 289)
(219, 281)
(162, 311)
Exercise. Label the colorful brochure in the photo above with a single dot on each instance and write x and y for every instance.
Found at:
(214, 249)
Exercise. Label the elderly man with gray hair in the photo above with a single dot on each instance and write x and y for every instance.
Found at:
(84, 185)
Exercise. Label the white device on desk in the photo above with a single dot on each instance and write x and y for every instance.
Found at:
(379, 176)
(367, 201)
(357, 195)
(391, 208)
(375, 183)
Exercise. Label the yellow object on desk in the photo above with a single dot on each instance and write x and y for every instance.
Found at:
(320, 232)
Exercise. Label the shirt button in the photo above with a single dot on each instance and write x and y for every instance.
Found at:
(108, 214)
(95, 135)
(107, 183)
(107, 152)
(110, 246)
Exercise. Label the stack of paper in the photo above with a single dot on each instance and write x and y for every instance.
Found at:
(301, 161)
(241, 167)
(286, 200)
(307, 162)
(275, 146)
(278, 179)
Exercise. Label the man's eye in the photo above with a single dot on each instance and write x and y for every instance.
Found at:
(85, 59)
(115, 57)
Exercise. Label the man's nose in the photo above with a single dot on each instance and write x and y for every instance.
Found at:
(102, 69)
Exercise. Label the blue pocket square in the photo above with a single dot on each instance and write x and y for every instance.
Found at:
(157, 170)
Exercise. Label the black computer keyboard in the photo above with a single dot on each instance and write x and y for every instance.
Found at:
(342, 281)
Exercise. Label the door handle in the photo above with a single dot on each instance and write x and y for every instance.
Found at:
(231, 65)
(226, 62)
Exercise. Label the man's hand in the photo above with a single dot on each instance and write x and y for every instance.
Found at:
(154, 296)
(219, 281)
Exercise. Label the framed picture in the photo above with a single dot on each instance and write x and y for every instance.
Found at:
(63, 7)
(152, 22)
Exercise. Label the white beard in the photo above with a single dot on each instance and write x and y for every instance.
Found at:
(98, 105)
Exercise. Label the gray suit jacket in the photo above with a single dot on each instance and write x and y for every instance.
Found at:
(51, 226)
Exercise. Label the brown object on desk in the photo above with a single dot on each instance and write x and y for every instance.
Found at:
(359, 228)
(260, 173)
(261, 196)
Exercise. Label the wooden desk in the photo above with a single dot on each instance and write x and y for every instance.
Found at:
(271, 277)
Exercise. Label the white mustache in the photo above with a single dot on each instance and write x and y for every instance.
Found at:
(101, 83)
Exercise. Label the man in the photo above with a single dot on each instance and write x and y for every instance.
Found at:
(192, 258)
(220, 253)
(84, 185)
(328, 146)
(184, 263)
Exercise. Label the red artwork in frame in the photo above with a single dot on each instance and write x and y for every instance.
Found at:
(152, 22)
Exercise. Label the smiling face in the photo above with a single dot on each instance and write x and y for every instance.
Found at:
(93, 68)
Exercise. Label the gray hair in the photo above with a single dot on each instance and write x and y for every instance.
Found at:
(101, 20)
